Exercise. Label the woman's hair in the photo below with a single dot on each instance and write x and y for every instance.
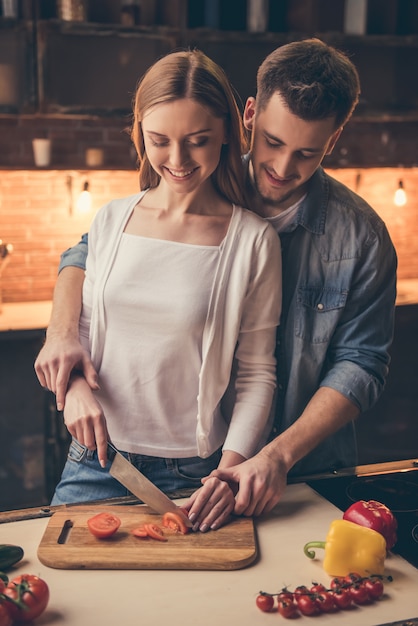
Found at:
(315, 81)
(191, 74)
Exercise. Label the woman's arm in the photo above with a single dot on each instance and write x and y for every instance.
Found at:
(84, 418)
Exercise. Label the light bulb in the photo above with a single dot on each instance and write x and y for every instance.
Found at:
(84, 200)
(399, 198)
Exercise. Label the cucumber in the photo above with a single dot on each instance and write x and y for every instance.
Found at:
(9, 555)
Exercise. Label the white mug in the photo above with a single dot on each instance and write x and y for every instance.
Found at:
(10, 8)
(41, 152)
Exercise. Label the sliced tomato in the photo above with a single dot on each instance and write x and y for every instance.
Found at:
(140, 532)
(175, 521)
(103, 525)
(155, 532)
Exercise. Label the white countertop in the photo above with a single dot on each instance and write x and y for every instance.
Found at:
(35, 315)
(208, 598)
(25, 315)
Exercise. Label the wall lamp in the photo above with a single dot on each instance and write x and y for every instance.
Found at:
(399, 197)
(83, 202)
(84, 199)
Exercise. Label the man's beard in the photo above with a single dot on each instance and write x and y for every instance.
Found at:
(273, 201)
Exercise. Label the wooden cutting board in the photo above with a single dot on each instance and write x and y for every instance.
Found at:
(68, 544)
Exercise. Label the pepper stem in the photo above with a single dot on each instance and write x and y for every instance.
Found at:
(313, 544)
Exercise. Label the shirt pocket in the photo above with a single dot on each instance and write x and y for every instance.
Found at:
(317, 312)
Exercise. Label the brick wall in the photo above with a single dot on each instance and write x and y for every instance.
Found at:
(38, 216)
(70, 138)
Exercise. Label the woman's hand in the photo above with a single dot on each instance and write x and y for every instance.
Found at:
(84, 418)
(210, 507)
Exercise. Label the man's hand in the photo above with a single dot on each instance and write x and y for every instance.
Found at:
(84, 419)
(261, 481)
(57, 359)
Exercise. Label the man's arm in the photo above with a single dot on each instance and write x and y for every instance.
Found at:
(262, 478)
(62, 351)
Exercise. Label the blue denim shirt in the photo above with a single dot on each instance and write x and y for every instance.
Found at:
(339, 290)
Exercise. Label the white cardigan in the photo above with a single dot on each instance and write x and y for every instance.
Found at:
(240, 332)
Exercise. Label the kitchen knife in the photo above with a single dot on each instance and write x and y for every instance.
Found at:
(140, 486)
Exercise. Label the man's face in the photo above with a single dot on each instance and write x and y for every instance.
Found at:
(285, 152)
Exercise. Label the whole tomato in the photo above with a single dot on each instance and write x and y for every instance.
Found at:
(375, 588)
(307, 605)
(317, 588)
(339, 582)
(31, 592)
(359, 593)
(287, 608)
(5, 617)
(325, 602)
(285, 596)
(342, 597)
(265, 602)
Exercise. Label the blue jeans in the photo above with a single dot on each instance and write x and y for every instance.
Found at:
(83, 479)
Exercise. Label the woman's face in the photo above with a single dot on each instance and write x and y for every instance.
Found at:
(183, 142)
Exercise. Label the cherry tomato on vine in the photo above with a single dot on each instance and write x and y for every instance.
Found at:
(352, 578)
(285, 596)
(317, 588)
(32, 591)
(338, 582)
(306, 604)
(301, 590)
(265, 602)
(287, 608)
(325, 602)
(374, 588)
(359, 593)
(103, 525)
(342, 597)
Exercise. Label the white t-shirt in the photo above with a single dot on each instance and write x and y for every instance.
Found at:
(156, 301)
(281, 221)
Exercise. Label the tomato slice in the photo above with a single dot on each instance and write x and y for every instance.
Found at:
(174, 521)
(103, 525)
(155, 532)
(141, 532)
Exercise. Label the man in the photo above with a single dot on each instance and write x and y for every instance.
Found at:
(339, 278)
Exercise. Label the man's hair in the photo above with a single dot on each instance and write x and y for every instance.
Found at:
(315, 81)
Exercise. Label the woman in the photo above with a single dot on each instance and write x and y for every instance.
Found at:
(181, 301)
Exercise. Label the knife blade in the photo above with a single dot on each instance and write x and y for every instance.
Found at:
(138, 484)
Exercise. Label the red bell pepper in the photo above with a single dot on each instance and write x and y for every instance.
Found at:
(376, 516)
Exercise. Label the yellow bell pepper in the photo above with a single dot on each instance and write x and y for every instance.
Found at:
(351, 548)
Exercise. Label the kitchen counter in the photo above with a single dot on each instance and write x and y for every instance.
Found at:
(35, 315)
(204, 598)
(25, 315)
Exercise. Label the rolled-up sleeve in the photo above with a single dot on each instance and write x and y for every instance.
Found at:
(75, 256)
